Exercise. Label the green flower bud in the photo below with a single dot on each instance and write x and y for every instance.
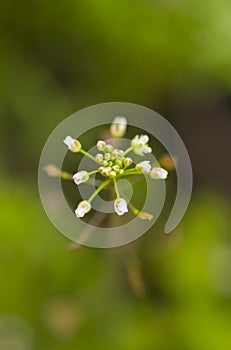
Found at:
(99, 157)
(109, 148)
(107, 156)
(116, 168)
(128, 161)
(112, 174)
(101, 145)
(119, 162)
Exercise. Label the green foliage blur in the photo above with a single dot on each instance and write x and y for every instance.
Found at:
(162, 292)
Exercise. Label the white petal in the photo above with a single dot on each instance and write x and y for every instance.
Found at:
(144, 166)
(147, 149)
(159, 173)
(144, 139)
(68, 141)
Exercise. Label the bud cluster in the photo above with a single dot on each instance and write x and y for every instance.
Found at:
(112, 161)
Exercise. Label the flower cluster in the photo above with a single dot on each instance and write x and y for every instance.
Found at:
(112, 163)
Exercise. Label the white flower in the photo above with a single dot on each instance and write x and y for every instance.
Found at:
(159, 173)
(83, 208)
(73, 144)
(140, 145)
(120, 206)
(118, 127)
(80, 177)
(144, 166)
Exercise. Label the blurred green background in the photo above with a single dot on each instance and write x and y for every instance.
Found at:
(163, 291)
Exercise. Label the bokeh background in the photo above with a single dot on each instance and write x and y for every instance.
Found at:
(162, 291)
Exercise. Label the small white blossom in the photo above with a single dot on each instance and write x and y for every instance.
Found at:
(144, 166)
(159, 173)
(140, 145)
(73, 144)
(118, 127)
(80, 177)
(120, 206)
(83, 208)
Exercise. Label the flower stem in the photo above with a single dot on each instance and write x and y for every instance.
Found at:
(116, 188)
(128, 173)
(93, 172)
(128, 150)
(134, 210)
(99, 189)
(66, 176)
(88, 155)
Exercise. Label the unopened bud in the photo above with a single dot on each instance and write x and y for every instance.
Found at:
(101, 145)
(128, 161)
(99, 157)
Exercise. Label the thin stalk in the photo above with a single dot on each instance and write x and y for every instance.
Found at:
(98, 190)
(130, 173)
(116, 188)
(88, 155)
(93, 172)
(128, 150)
(66, 176)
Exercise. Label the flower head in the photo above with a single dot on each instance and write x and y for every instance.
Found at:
(144, 166)
(73, 144)
(158, 173)
(120, 206)
(140, 145)
(118, 127)
(80, 177)
(111, 164)
(83, 208)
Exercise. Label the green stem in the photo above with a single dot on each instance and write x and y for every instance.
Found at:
(134, 209)
(130, 173)
(99, 189)
(132, 169)
(93, 172)
(128, 150)
(116, 188)
(66, 176)
(88, 155)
